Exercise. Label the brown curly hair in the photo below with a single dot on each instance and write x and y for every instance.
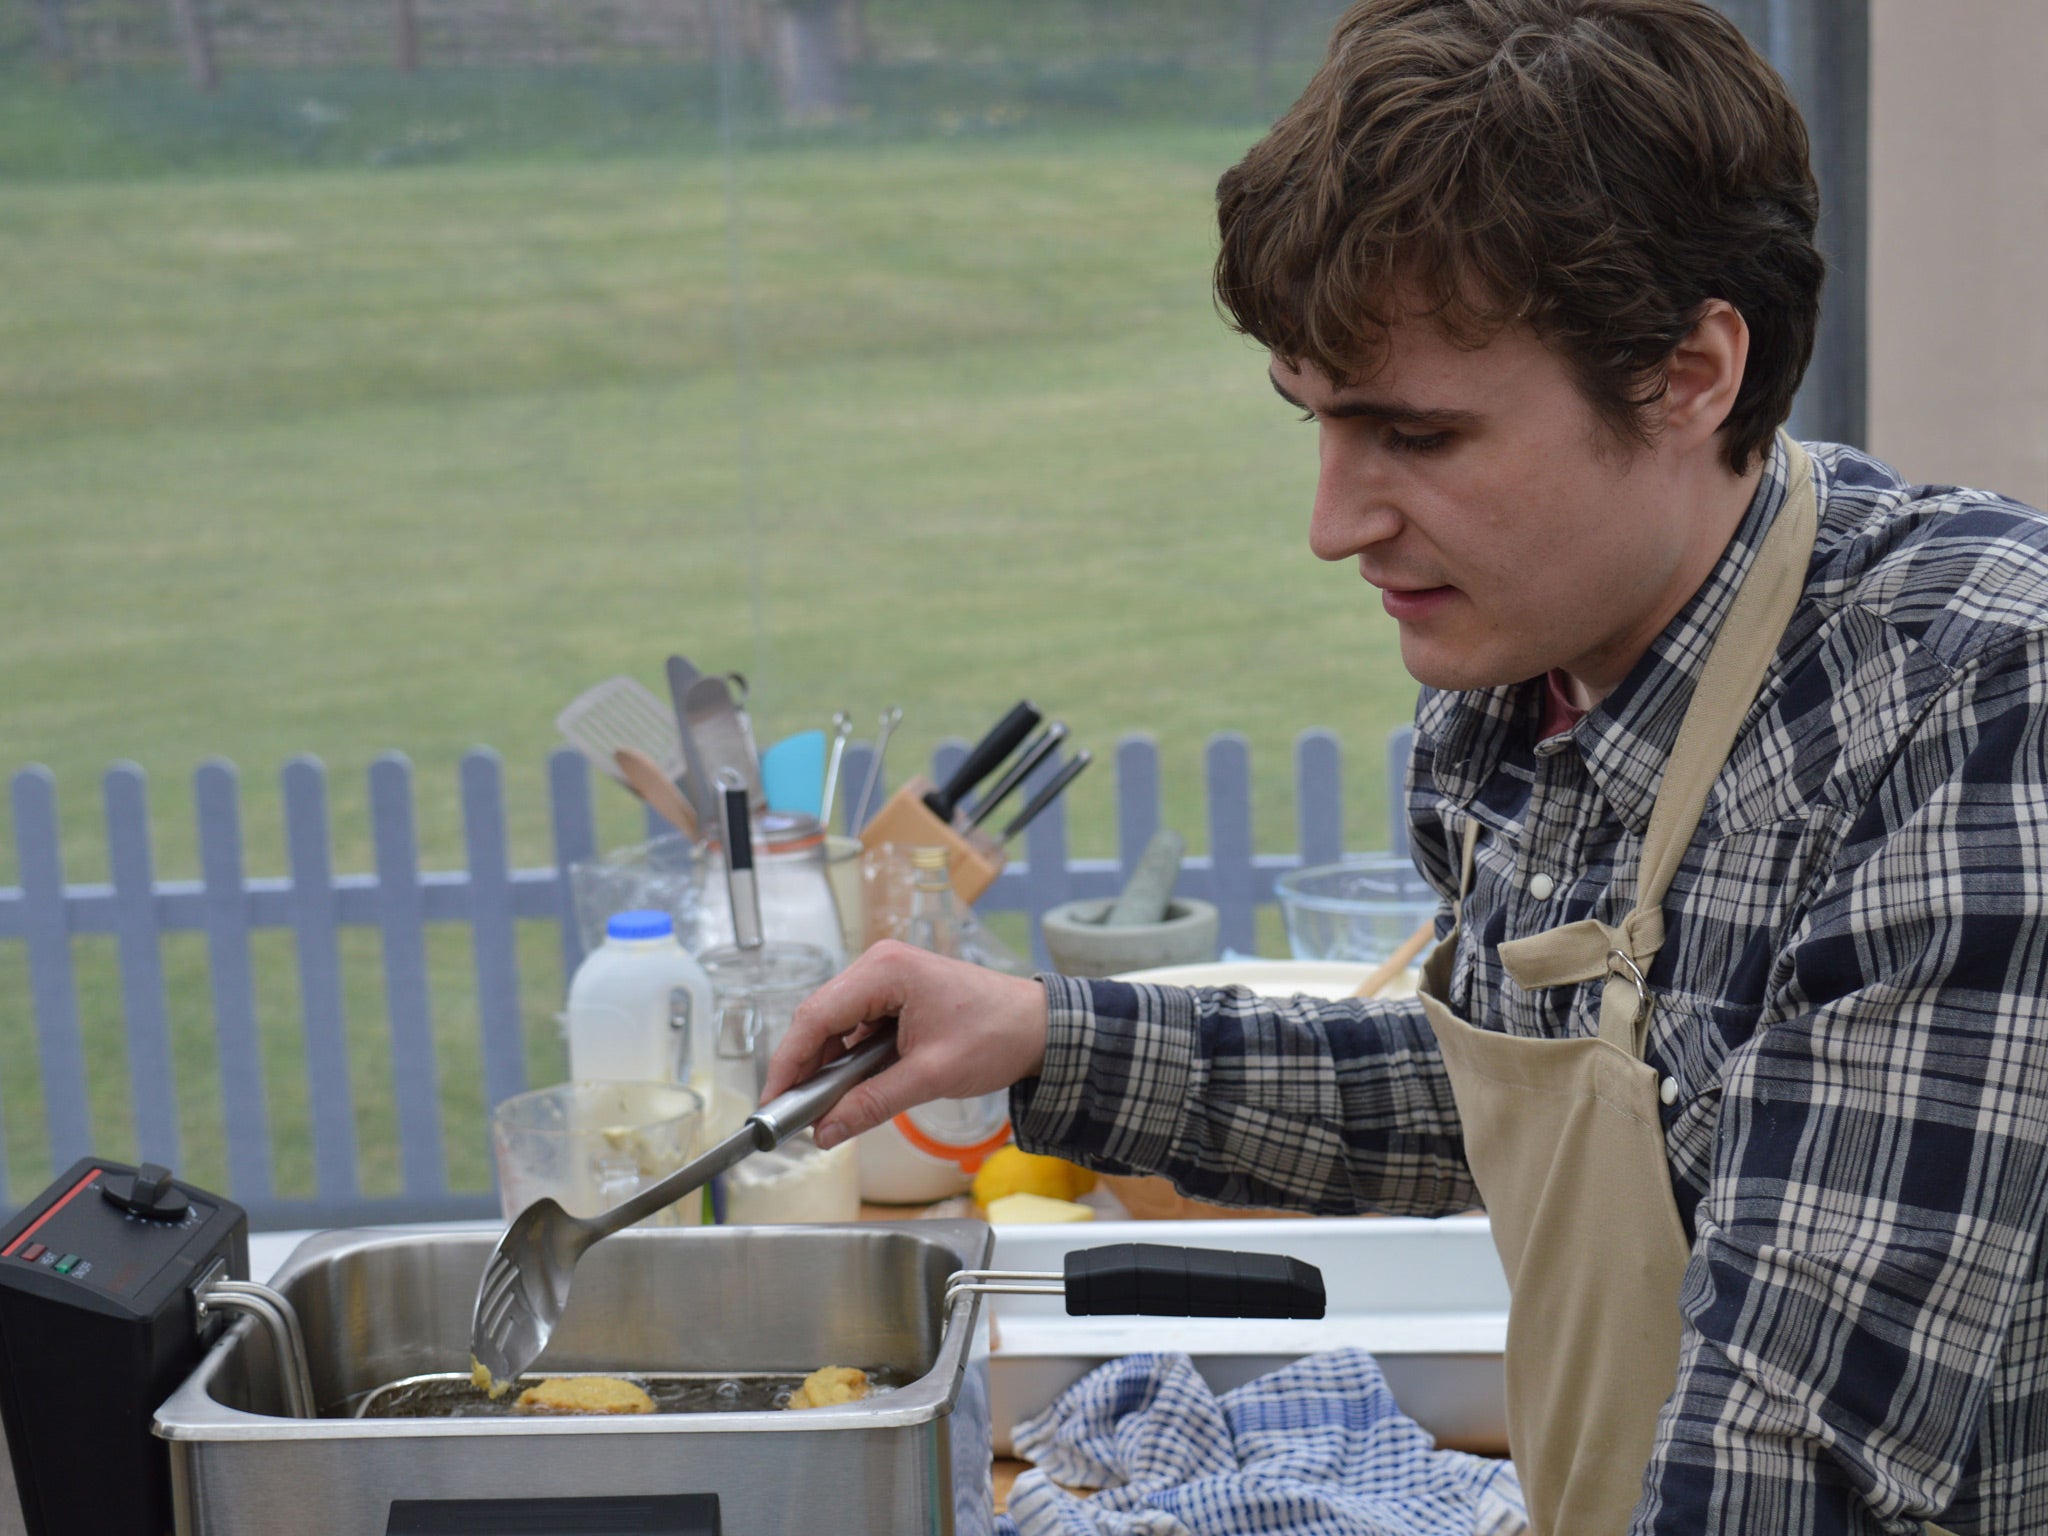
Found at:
(1598, 169)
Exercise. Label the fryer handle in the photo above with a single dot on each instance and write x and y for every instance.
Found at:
(1154, 1280)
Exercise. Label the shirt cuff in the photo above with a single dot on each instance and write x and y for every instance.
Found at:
(1119, 1072)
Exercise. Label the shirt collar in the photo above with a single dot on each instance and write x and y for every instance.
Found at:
(1626, 738)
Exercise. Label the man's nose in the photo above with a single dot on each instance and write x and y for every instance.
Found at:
(1352, 511)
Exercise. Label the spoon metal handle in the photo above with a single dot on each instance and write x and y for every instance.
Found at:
(766, 1128)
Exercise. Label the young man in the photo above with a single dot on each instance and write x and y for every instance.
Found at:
(1731, 767)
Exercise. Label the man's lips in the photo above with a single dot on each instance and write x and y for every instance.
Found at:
(1414, 602)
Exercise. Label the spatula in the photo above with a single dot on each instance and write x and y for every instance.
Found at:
(619, 712)
(715, 742)
(526, 1281)
(793, 773)
(703, 793)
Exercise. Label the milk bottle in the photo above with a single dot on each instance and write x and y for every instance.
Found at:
(640, 1008)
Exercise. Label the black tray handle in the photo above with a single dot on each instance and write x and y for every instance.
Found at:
(1153, 1280)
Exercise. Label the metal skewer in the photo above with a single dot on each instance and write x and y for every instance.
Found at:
(842, 727)
(891, 718)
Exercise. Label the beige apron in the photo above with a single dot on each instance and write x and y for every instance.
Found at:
(1564, 1137)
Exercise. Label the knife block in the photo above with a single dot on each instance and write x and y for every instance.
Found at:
(975, 858)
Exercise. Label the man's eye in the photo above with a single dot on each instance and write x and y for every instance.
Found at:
(1407, 442)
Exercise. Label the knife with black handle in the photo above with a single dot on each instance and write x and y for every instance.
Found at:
(1070, 771)
(1041, 747)
(988, 753)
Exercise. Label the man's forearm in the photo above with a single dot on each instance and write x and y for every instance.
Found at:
(1331, 1107)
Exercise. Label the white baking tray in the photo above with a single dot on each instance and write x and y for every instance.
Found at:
(1426, 1298)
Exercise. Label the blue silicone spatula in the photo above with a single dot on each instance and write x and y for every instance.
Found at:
(793, 773)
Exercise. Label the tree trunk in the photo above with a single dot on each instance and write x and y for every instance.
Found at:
(56, 37)
(809, 82)
(855, 46)
(405, 35)
(198, 41)
(807, 74)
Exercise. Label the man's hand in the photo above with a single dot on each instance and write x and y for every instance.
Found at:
(961, 1030)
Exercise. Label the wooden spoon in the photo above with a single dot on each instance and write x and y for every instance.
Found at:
(657, 789)
(1398, 961)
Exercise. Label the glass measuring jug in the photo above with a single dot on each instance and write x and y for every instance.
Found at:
(754, 995)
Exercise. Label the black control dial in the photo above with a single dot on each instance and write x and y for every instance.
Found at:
(148, 1193)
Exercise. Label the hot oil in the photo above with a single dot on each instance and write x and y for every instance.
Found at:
(450, 1396)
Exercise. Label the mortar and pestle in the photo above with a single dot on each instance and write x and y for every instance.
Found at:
(1143, 927)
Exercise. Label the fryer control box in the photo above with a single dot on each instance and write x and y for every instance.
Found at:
(98, 1323)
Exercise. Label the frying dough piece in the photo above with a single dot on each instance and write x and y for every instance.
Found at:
(585, 1394)
(830, 1385)
(480, 1378)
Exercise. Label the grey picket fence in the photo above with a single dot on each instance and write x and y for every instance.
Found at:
(45, 913)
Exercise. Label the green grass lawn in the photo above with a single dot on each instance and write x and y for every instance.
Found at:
(344, 460)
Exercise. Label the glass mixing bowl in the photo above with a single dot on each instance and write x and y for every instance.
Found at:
(1358, 910)
(592, 1145)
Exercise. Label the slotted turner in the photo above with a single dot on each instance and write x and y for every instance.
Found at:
(526, 1281)
(620, 712)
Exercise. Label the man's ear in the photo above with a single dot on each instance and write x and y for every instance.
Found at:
(1704, 375)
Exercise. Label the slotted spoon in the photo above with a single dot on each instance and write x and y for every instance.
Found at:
(526, 1282)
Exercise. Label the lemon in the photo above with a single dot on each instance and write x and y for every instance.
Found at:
(1013, 1171)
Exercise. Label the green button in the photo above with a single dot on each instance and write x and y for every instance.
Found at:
(66, 1264)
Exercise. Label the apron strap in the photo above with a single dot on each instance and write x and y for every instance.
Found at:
(1727, 686)
(1465, 870)
(1436, 968)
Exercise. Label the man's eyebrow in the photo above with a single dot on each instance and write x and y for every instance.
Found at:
(1397, 411)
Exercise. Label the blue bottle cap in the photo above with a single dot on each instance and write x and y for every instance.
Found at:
(645, 924)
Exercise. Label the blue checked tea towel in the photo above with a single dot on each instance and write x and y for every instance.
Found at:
(1317, 1448)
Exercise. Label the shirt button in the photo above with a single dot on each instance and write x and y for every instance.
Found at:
(1669, 1091)
(1540, 886)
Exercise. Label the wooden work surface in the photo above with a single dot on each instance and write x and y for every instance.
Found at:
(1006, 1471)
(872, 1212)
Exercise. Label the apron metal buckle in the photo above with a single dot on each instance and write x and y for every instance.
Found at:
(1634, 974)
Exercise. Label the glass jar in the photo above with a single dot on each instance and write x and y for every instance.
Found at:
(754, 995)
(797, 904)
(932, 1151)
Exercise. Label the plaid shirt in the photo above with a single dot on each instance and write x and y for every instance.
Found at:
(1850, 998)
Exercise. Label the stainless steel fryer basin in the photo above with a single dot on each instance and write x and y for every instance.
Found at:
(378, 1307)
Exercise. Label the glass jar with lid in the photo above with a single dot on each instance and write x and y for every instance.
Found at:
(797, 904)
